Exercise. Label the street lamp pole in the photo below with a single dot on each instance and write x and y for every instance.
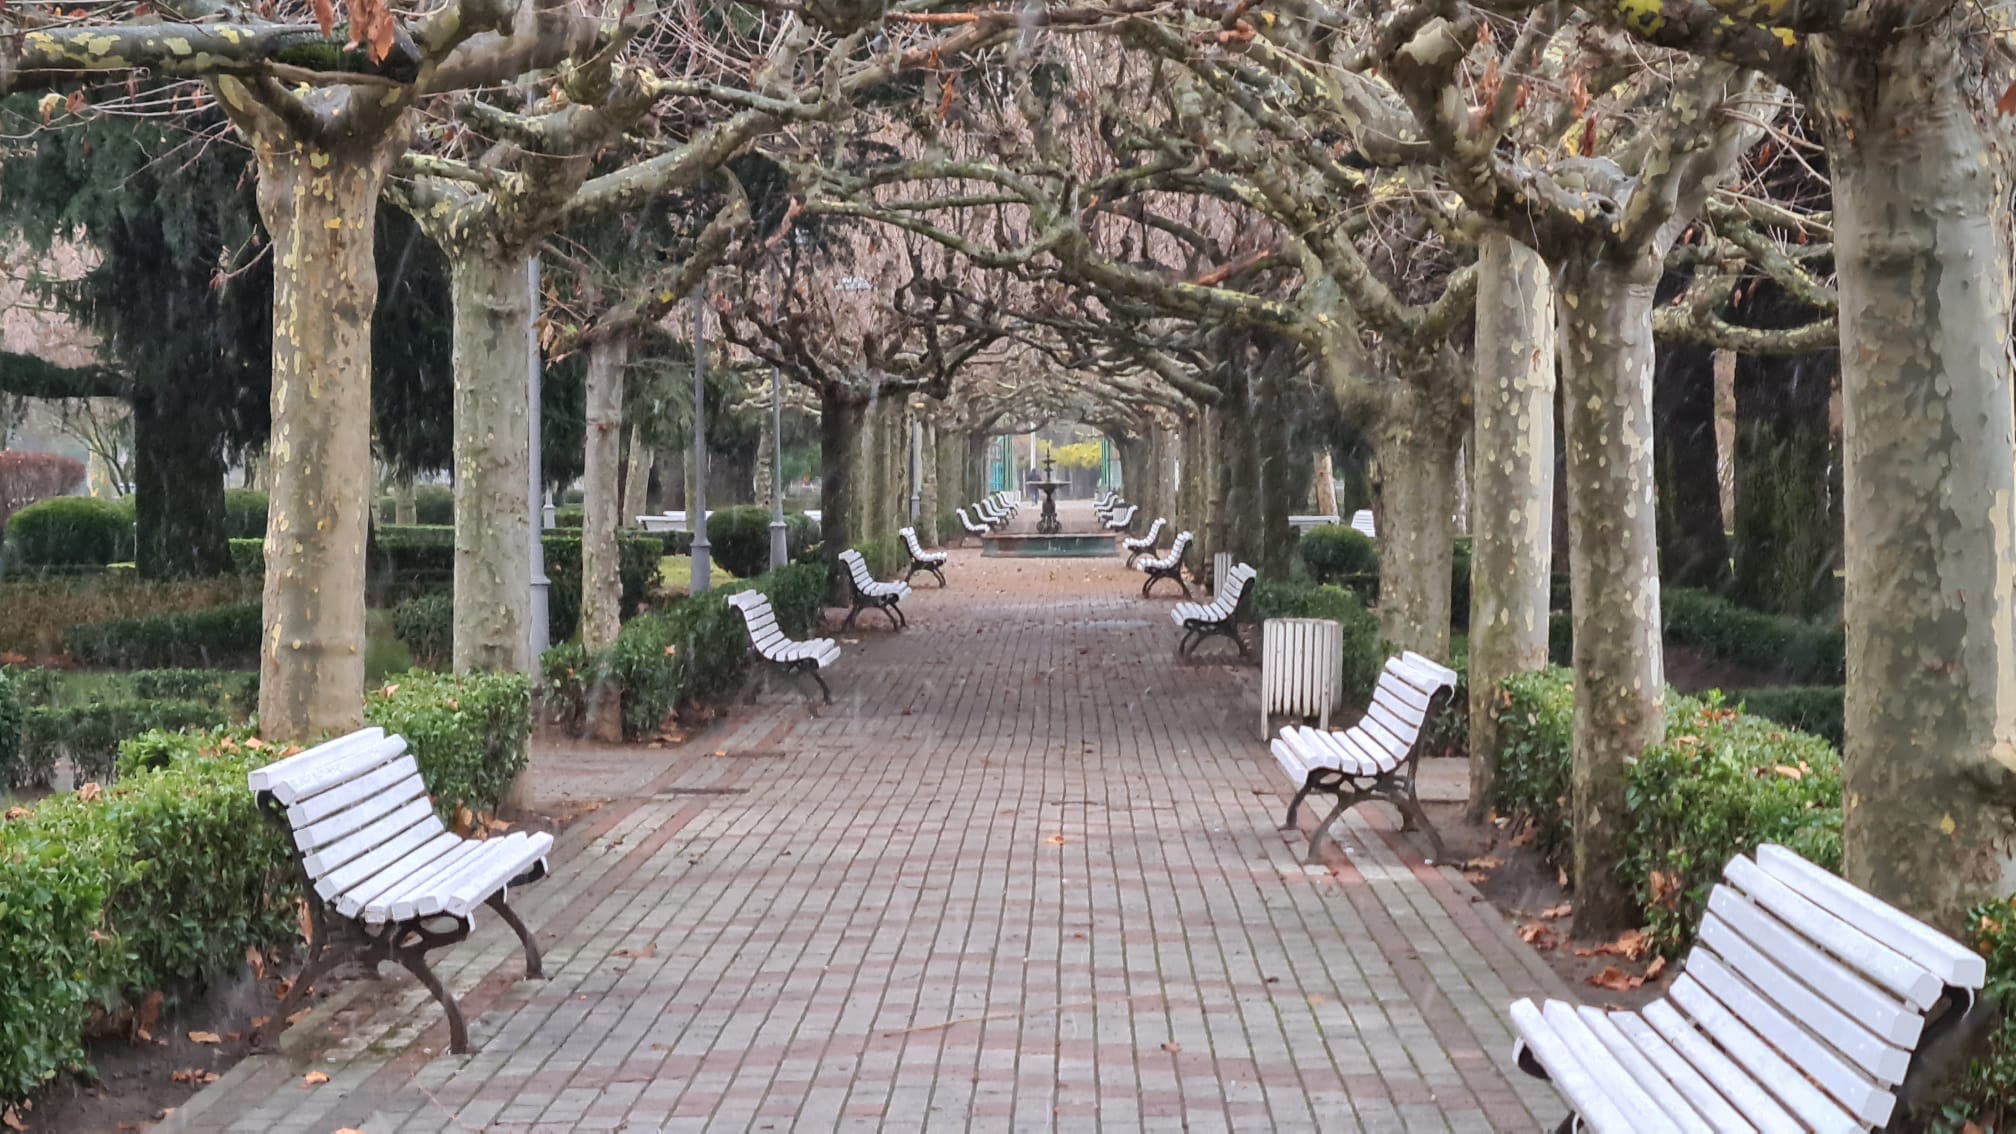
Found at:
(916, 469)
(540, 634)
(703, 568)
(780, 550)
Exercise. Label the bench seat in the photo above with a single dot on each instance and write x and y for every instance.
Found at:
(871, 594)
(1169, 566)
(1217, 618)
(920, 559)
(768, 641)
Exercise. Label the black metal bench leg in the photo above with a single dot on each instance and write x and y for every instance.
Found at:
(941, 576)
(851, 615)
(824, 692)
(911, 573)
(1344, 803)
(415, 962)
(1295, 805)
(1178, 576)
(890, 612)
(534, 966)
(1413, 816)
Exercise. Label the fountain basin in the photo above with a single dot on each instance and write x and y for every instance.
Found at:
(1060, 545)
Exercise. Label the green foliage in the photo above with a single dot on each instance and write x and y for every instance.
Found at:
(164, 878)
(10, 729)
(1719, 784)
(426, 623)
(687, 655)
(1459, 586)
(35, 613)
(219, 689)
(1817, 709)
(221, 638)
(1334, 551)
(1363, 655)
(244, 515)
(637, 558)
(570, 516)
(1791, 648)
(885, 558)
(741, 540)
(434, 505)
(248, 556)
(90, 734)
(70, 532)
(471, 733)
(1986, 1097)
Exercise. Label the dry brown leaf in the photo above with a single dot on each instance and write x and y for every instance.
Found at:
(1476, 877)
(1538, 934)
(1055, 840)
(1653, 970)
(17, 812)
(254, 743)
(1788, 771)
(1485, 863)
(1632, 945)
(2006, 105)
(1974, 1127)
(1525, 836)
(1560, 911)
(147, 1015)
(256, 961)
(260, 1022)
(348, 1130)
(497, 824)
(1561, 876)
(646, 952)
(205, 1037)
(314, 1079)
(90, 793)
(11, 1118)
(1616, 979)
(196, 1076)
(1172, 1048)
(299, 1016)
(1665, 889)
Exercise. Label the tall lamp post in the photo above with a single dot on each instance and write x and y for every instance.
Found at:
(540, 634)
(780, 550)
(916, 469)
(703, 567)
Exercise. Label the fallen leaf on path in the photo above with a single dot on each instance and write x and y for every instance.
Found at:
(147, 1015)
(1172, 1048)
(256, 961)
(1525, 836)
(1485, 863)
(205, 1037)
(1653, 970)
(314, 1079)
(1476, 877)
(194, 1075)
(1055, 840)
(1616, 979)
(299, 1016)
(1540, 935)
(1562, 910)
(260, 1022)
(11, 1119)
(1632, 945)
(647, 951)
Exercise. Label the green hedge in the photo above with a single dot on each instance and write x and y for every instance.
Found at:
(740, 539)
(248, 556)
(1817, 709)
(1987, 1095)
(638, 555)
(1791, 648)
(570, 516)
(161, 879)
(71, 532)
(426, 623)
(1333, 551)
(244, 514)
(1720, 783)
(90, 735)
(12, 773)
(223, 689)
(1339, 561)
(689, 654)
(471, 733)
(434, 504)
(1363, 655)
(220, 638)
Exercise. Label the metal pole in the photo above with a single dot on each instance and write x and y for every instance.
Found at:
(703, 569)
(541, 635)
(916, 469)
(780, 551)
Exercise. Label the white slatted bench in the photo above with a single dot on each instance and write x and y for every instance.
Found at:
(385, 880)
(995, 516)
(1003, 503)
(870, 594)
(970, 528)
(1105, 511)
(1374, 759)
(1361, 522)
(1123, 519)
(1804, 1005)
(920, 559)
(1169, 566)
(1136, 548)
(769, 642)
(1102, 499)
(1219, 617)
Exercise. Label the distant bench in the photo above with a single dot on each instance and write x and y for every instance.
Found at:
(769, 642)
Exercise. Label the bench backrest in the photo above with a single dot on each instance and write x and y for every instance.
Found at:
(910, 541)
(1408, 692)
(1176, 550)
(1361, 522)
(967, 521)
(353, 806)
(1233, 590)
(760, 619)
(1154, 533)
(857, 568)
(1125, 515)
(1836, 983)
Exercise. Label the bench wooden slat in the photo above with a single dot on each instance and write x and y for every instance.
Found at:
(1401, 729)
(418, 834)
(381, 803)
(281, 771)
(1813, 1014)
(1764, 1066)
(1913, 983)
(1842, 1083)
(362, 841)
(1645, 1102)
(365, 784)
(442, 893)
(344, 765)
(1598, 1111)
(1947, 959)
(1373, 759)
(1334, 750)
(1391, 687)
(472, 891)
(1735, 1084)
(1882, 1013)
(398, 864)
(1701, 1095)
(413, 870)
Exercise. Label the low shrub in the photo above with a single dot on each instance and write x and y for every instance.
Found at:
(637, 559)
(1720, 783)
(219, 689)
(248, 556)
(740, 538)
(1791, 648)
(1333, 551)
(221, 638)
(38, 686)
(244, 514)
(159, 880)
(570, 516)
(426, 623)
(70, 532)
(11, 771)
(885, 558)
(36, 613)
(1363, 655)
(434, 504)
(470, 733)
(1354, 575)
(408, 559)
(90, 734)
(1817, 709)
(687, 655)
(1986, 1095)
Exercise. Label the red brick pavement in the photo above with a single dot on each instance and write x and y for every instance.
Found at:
(1022, 875)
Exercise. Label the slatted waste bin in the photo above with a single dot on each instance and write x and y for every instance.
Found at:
(1301, 669)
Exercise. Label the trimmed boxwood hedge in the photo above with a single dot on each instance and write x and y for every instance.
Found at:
(70, 532)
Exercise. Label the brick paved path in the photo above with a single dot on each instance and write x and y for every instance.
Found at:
(1022, 875)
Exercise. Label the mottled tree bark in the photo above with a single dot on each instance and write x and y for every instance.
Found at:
(1513, 488)
(1788, 536)
(839, 421)
(1923, 248)
(601, 582)
(319, 204)
(1417, 442)
(1620, 684)
(493, 597)
(1134, 457)
(636, 476)
(178, 489)
(930, 508)
(1323, 485)
(405, 501)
